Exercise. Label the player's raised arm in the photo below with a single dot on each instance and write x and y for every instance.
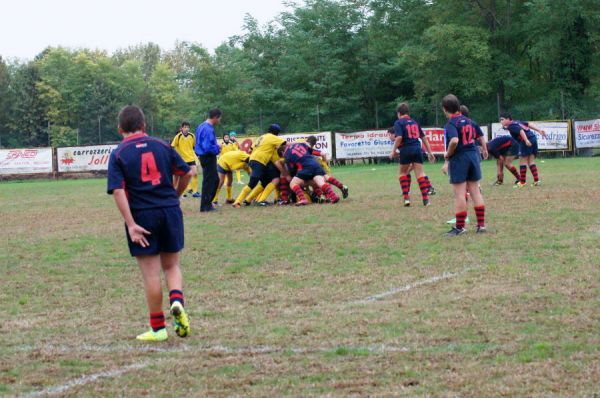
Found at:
(535, 127)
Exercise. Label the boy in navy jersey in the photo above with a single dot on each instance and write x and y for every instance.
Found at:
(528, 146)
(304, 167)
(462, 164)
(504, 148)
(140, 177)
(407, 133)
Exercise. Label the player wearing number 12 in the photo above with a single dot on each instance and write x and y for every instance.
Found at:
(463, 164)
(140, 177)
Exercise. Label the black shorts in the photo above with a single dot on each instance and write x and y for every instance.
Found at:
(191, 163)
(270, 173)
(166, 227)
(411, 154)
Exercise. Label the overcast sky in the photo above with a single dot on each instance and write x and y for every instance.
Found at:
(29, 26)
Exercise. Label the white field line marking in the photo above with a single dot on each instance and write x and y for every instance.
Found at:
(410, 286)
(250, 350)
(109, 374)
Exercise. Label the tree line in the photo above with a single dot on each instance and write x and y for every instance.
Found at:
(322, 65)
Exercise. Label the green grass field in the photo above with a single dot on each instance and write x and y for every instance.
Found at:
(282, 299)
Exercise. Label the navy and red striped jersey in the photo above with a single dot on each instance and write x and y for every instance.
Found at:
(500, 143)
(463, 128)
(144, 166)
(298, 156)
(409, 130)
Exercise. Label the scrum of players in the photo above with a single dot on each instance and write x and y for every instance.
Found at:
(293, 173)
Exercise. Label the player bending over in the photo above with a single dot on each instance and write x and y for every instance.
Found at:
(300, 161)
(260, 163)
(504, 149)
(228, 163)
(528, 146)
(140, 177)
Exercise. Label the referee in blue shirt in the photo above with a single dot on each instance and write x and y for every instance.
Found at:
(207, 150)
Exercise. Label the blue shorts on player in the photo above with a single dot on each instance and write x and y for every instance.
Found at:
(464, 166)
(309, 170)
(525, 150)
(166, 231)
(411, 154)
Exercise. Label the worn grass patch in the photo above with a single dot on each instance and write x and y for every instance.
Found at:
(272, 293)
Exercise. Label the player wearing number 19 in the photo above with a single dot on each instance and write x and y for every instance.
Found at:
(140, 177)
(463, 164)
(407, 133)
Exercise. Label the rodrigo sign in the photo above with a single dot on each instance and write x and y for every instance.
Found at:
(587, 133)
(83, 158)
(25, 161)
(323, 141)
(557, 134)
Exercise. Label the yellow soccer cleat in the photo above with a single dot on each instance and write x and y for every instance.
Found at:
(180, 319)
(151, 335)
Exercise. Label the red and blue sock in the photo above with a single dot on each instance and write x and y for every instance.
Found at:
(523, 170)
(534, 171)
(157, 321)
(405, 185)
(176, 295)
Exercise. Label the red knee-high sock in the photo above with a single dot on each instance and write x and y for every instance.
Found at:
(428, 182)
(157, 321)
(514, 172)
(424, 186)
(460, 219)
(299, 193)
(534, 171)
(284, 189)
(480, 213)
(335, 182)
(405, 185)
(523, 170)
(329, 194)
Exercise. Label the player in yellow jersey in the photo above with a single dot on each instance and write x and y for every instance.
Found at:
(230, 144)
(183, 143)
(260, 162)
(227, 163)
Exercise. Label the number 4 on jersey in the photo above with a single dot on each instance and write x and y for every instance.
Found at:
(150, 172)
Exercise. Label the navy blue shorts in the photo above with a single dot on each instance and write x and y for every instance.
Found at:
(166, 226)
(221, 170)
(525, 150)
(191, 163)
(464, 167)
(411, 154)
(310, 171)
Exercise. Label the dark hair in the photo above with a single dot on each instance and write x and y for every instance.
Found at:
(312, 140)
(391, 130)
(505, 115)
(451, 103)
(213, 113)
(131, 119)
(464, 110)
(274, 129)
(184, 124)
(402, 109)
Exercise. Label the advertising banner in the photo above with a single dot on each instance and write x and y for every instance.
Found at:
(557, 134)
(587, 133)
(376, 143)
(363, 144)
(83, 158)
(25, 161)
